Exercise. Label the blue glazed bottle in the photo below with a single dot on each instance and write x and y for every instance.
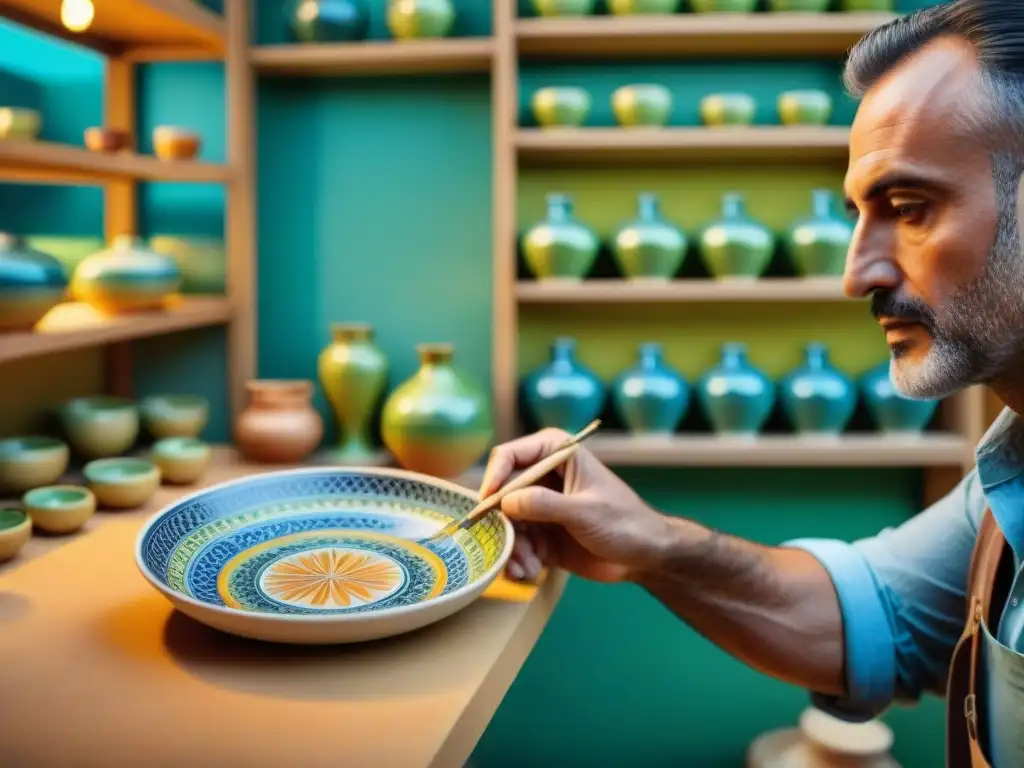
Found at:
(816, 397)
(890, 410)
(564, 393)
(736, 397)
(651, 398)
(329, 21)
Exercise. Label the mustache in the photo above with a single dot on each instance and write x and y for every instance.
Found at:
(888, 304)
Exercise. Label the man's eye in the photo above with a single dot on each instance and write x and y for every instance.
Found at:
(909, 212)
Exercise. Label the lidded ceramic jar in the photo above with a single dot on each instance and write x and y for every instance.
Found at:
(651, 397)
(818, 399)
(126, 277)
(560, 247)
(642, 105)
(560, 106)
(564, 393)
(438, 421)
(420, 19)
(335, 21)
(649, 246)
(808, 106)
(736, 396)
(353, 373)
(817, 244)
(736, 245)
(31, 284)
(727, 109)
(279, 424)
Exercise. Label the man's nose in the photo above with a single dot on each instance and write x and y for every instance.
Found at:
(870, 263)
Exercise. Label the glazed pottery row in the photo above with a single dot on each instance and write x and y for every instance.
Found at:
(650, 105)
(125, 277)
(20, 123)
(564, 8)
(335, 21)
(652, 398)
(650, 246)
(169, 142)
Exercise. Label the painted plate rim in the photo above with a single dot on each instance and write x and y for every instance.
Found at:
(352, 618)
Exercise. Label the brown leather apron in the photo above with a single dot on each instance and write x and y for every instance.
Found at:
(988, 585)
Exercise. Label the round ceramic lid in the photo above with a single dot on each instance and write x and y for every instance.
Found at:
(871, 738)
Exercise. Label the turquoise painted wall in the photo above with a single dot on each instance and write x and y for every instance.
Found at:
(374, 204)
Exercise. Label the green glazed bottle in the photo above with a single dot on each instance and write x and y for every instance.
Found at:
(420, 19)
(437, 422)
(353, 372)
(723, 6)
(798, 6)
(560, 247)
(634, 7)
(649, 246)
(817, 244)
(736, 245)
(563, 7)
(884, 6)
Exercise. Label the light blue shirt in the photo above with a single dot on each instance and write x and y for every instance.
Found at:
(903, 592)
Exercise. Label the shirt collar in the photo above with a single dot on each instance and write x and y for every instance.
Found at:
(1000, 454)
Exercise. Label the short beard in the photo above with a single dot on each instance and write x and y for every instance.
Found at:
(979, 333)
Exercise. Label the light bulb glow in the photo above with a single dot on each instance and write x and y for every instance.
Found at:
(77, 15)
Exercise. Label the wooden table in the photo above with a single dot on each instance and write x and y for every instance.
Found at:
(96, 669)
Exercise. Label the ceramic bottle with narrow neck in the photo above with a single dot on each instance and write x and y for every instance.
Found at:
(817, 244)
(649, 247)
(564, 393)
(651, 397)
(561, 247)
(736, 245)
(817, 398)
(736, 397)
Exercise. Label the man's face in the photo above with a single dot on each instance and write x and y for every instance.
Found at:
(931, 245)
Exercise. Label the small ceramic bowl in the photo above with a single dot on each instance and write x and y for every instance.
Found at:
(59, 508)
(174, 415)
(644, 105)
(122, 483)
(106, 139)
(15, 531)
(727, 109)
(29, 462)
(560, 107)
(16, 123)
(807, 107)
(98, 427)
(172, 143)
(181, 460)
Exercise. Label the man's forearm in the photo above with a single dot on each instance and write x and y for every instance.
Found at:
(773, 608)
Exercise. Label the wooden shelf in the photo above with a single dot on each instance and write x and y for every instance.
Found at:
(77, 326)
(687, 35)
(613, 291)
(49, 162)
(770, 143)
(376, 57)
(858, 450)
(137, 28)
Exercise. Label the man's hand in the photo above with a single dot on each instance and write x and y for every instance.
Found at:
(591, 523)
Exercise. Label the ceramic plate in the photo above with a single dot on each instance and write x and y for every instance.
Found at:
(321, 555)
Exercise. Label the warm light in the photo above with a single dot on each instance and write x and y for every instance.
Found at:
(77, 15)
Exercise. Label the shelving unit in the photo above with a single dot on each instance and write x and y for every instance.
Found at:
(945, 455)
(127, 32)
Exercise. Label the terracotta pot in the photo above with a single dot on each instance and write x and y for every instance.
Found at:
(280, 424)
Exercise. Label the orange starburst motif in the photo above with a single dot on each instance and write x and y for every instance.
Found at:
(331, 577)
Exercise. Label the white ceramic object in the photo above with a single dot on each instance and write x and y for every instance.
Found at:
(822, 741)
(322, 555)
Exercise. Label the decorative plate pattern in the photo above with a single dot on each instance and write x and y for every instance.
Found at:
(324, 542)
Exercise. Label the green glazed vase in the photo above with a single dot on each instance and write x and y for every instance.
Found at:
(817, 244)
(353, 373)
(651, 398)
(723, 6)
(727, 109)
(807, 107)
(736, 397)
(817, 398)
(798, 6)
(564, 393)
(736, 245)
(563, 7)
(560, 107)
(644, 105)
(202, 261)
(649, 246)
(126, 277)
(420, 19)
(890, 410)
(329, 21)
(884, 6)
(560, 247)
(635, 7)
(439, 421)
(31, 284)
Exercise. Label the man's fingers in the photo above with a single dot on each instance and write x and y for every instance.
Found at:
(508, 457)
(537, 504)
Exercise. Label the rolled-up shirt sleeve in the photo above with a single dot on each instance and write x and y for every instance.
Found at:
(902, 597)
